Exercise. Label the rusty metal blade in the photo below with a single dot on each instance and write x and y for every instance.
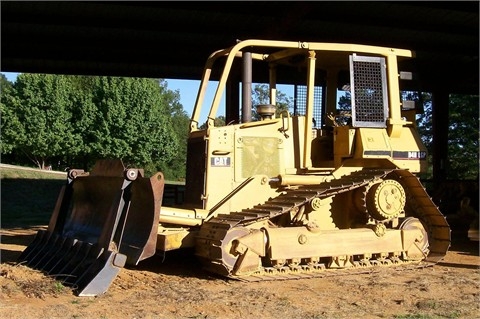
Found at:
(102, 220)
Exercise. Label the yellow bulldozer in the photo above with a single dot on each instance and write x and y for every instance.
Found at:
(272, 196)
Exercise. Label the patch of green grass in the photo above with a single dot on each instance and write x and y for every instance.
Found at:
(58, 287)
(14, 173)
(28, 197)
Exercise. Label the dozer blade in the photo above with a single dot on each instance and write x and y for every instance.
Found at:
(102, 221)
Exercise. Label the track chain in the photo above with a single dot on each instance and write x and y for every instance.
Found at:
(322, 270)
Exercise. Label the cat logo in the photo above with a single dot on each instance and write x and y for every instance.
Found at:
(220, 161)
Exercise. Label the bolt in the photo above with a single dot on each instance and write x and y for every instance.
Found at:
(302, 239)
(316, 203)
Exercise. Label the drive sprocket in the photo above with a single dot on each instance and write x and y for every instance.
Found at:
(386, 200)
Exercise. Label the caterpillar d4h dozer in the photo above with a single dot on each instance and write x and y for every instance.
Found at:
(274, 198)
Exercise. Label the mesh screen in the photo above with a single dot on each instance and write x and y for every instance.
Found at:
(369, 99)
(300, 105)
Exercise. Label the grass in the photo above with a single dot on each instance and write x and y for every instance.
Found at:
(28, 196)
(29, 173)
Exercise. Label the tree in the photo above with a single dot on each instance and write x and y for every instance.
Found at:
(463, 137)
(78, 119)
(131, 122)
(37, 116)
(84, 112)
(261, 95)
(463, 133)
(344, 116)
(423, 101)
(175, 168)
(10, 125)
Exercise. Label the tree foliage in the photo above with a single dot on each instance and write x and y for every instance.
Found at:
(131, 122)
(37, 116)
(463, 132)
(175, 167)
(79, 119)
(424, 122)
(344, 116)
(261, 95)
(9, 124)
(463, 137)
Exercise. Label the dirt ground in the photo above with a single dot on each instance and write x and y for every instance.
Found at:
(177, 287)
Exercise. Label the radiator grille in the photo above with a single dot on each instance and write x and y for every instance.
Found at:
(368, 91)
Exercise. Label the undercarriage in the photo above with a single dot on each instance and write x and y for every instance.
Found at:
(372, 217)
